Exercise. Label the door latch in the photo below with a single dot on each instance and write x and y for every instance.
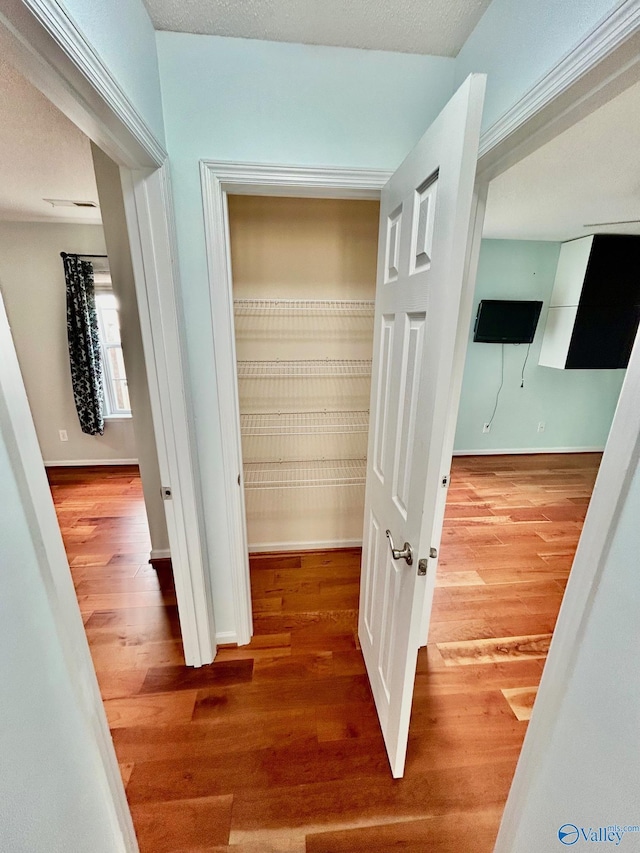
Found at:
(422, 564)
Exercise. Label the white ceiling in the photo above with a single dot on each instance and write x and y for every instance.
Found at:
(436, 27)
(588, 174)
(42, 155)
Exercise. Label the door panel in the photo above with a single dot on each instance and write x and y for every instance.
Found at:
(424, 231)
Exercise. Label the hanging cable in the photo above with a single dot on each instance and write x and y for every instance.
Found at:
(526, 358)
(495, 408)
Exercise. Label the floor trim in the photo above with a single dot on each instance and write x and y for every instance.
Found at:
(511, 451)
(286, 547)
(87, 463)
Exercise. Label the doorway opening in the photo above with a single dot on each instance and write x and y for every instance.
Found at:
(105, 487)
(304, 272)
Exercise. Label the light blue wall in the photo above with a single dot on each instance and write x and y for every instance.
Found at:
(241, 99)
(577, 406)
(517, 43)
(50, 798)
(122, 34)
(281, 103)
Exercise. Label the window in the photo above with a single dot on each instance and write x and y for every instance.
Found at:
(116, 391)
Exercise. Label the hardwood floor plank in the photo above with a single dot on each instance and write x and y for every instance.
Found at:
(452, 833)
(226, 736)
(520, 700)
(165, 679)
(154, 710)
(313, 806)
(185, 825)
(495, 650)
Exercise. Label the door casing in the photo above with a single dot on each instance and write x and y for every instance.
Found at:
(219, 179)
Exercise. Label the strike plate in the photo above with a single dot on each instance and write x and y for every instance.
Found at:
(422, 568)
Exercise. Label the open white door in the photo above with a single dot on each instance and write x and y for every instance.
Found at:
(425, 213)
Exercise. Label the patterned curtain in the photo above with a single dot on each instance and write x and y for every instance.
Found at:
(84, 344)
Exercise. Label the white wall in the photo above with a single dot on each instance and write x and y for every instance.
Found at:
(33, 288)
(121, 268)
(52, 798)
(517, 43)
(123, 36)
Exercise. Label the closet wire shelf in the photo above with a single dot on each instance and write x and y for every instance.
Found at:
(304, 368)
(292, 475)
(304, 423)
(361, 307)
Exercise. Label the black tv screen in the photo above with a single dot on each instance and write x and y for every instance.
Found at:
(506, 321)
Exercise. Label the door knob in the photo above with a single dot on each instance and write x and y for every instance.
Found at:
(397, 554)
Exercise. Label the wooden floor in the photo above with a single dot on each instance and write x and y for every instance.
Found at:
(275, 748)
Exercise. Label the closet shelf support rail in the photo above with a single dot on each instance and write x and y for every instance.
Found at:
(304, 423)
(305, 306)
(304, 368)
(291, 475)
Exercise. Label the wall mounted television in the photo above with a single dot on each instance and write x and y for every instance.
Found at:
(506, 321)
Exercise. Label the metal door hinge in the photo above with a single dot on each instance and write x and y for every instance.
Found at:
(166, 493)
(422, 564)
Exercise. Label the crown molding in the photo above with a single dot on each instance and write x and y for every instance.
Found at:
(604, 55)
(70, 39)
(311, 181)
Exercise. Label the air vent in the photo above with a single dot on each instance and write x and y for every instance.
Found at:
(69, 202)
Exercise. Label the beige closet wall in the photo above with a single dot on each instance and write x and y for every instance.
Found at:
(324, 247)
(291, 248)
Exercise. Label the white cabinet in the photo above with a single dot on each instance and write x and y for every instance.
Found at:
(557, 336)
(595, 304)
(572, 266)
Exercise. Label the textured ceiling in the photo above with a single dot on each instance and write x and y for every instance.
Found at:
(42, 155)
(437, 27)
(588, 174)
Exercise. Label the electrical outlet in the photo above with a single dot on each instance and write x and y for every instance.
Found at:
(63, 435)
(486, 427)
(541, 426)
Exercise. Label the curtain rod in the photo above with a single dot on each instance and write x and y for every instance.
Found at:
(74, 255)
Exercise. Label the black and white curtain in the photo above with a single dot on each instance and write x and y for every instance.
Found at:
(84, 344)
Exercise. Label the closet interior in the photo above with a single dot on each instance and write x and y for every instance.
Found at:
(304, 273)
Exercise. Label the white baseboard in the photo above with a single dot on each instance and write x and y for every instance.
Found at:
(87, 463)
(512, 451)
(160, 554)
(225, 637)
(304, 546)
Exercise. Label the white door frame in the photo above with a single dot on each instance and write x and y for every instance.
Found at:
(45, 45)
(41, 41)
(219, 179)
